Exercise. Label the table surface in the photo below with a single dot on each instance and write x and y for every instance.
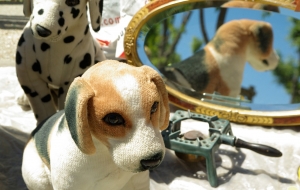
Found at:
(236, 168)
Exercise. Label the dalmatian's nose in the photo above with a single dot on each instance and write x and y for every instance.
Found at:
(42, 31)
(152, 162)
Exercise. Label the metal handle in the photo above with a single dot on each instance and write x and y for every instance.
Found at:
(259, 148)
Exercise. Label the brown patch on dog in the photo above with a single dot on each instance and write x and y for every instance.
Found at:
(263, 38)
(107, 100)
(216, 83)
(153, 90)
(102, 105)
(231, 38)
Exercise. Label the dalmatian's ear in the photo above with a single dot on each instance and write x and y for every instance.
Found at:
(27, 7)
(163, 120)
(76, 113)
(95, 7)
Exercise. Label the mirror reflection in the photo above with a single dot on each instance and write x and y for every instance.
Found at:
(248, 55)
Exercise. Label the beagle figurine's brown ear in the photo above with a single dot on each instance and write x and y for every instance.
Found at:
(77, 115)
(263, 34)
(95, 8)
(164, 110)
(27, 7)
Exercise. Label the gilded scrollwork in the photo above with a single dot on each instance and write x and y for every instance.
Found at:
(131, 33)
(128, 41)
(235, 116)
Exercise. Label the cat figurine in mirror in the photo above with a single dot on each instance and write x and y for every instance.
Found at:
(219, 66)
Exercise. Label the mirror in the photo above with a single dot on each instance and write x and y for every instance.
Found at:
(235, 59)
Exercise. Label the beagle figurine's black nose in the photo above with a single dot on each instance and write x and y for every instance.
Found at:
(42, 31)
(152, 162)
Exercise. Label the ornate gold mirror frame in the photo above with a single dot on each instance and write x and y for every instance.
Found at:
(251, 117)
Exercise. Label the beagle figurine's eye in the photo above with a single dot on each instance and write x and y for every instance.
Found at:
(72, 2)
(154, 107)
(265, 62)
(114, 119)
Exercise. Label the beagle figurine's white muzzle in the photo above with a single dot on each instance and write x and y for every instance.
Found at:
(107, 137)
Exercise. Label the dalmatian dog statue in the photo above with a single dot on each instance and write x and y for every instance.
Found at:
(55, 47)
(108, 135)
(219, 66)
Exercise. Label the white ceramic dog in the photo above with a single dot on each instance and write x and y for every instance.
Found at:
(107, 137)
(219, 66)
(55, 47)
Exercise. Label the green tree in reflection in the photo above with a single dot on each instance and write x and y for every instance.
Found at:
(287, 72)
(162, 40)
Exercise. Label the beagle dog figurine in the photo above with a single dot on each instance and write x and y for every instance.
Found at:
(55, 47)
(219, 66)
(107, 137)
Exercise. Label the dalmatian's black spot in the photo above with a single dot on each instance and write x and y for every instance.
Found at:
(18, 58)
(98, 20)
(49, 78)
(61, 13)
(66, 28)
(58, 32)
(33, 47)
(41, 11)
(61, 21)
(45, 46)
(37, 67)
(21, 40)
(86, 62)
(60, 91)
(72, 2)
(97, 29)
(67, 59)
(33, 94)
(66, 83)
(36, 116)
(86, 30)
(29, 91)
(26, 89)
(46, 98)
(75, 12)
(101, 6)
(69, 39)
